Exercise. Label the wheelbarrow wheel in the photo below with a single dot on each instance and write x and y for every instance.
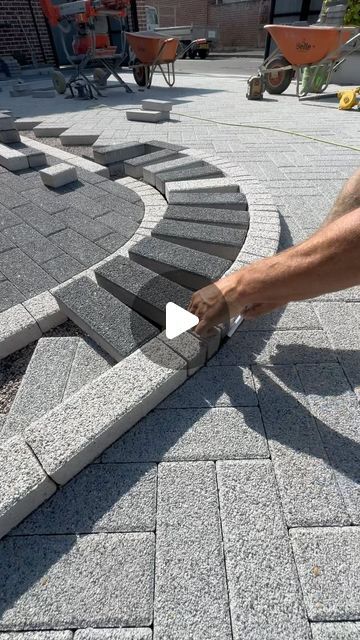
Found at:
(141, 75)
(59, 81)
(278, 81)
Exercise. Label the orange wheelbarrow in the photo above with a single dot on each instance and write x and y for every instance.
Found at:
(151, 51)
(312, 53)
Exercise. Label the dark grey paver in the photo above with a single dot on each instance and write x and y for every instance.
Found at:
(63, 267)
(72, 582)
(215, 387)
(337, 412)
(78, 247)
(43, 384)
(39, 219)
(120, 191)
(265, 595)
(112, 242)
(102, 498)
(48, 200)
(328, 563)
(141, 289)
(193, 434)
(309, 491)
(8, 218)
(219, 241)
(5, 242)
(335, 630)
(193, 198)
(134, 166)
(114, 220)
(206, 171)
(187, 267)
(31, 242)
(210, 215)
(115, 327)
(277, 347)
(118, 152)
(10, 198)
(91, 208)
(24, 273)
(91, 229)
(191, 597)
(123, 208)
(151, 171)
(9, 295)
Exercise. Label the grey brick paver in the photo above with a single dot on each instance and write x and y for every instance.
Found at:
(9, 295)
(191, 597)
(265, 596)
(7, 218)
(328, 563)
(112, 634)
(46, 199)
(36, 246)
(335, 630)
(36, 635)
(39, 219)
(89, 363)
(73, 581)
(91, 229)
(78, 247)
(63, 267)
(24, 273)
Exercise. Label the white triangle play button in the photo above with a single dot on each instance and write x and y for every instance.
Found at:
(178, 320)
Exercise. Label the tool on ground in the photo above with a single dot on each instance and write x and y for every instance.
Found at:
(256, 88)
(349, 98)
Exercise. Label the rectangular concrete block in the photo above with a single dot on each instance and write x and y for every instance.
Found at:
(37, 635)
(157, 105)
(262, 579)
(27, 124)
(39, 219)
(113, 634)
(24, 485)
(43, 385)
(6, 122)
(150, 172)
(224, 242)
(140, 289)
(134, 167)
(187, 267)
(48, 130)
(114, 326)
(12, 159)
(89, 363)
(335, 630)
(190, 569)
(24, 273)
(174, 190)
(194, 173)
(17, 329)
(79, 430)
(190, 348)
(45, 310)
(82, 580)
(208, 215)
(78, 136)
(79, 248)
(213, 199)
(328, 563)
(9, 137)
(138, 115)
(58, 175)
(118, 152)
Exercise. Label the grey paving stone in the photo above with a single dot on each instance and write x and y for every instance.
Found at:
(36, 635)
(39, 219)
(113, 634)
(134, 167)
(141, 289)
(328, 563)
(10, 198)
(151, 171)
(112, 242)
(335, 630)
(203, 199)
(187, 267)
(43, 385)
(296, 315)
(118, 152)
(191, 597)
(277, 347)
(78, 247)
(73, 581)
(190, 348)
(91, 208)
(192, 434)
(31, 242)
(120, 191)
(6, 122)
(24, 485)
(123, 208)
(8, 137)
(35, 158)
(114, 220)
(216, 240)
(265, 595)
(308, 487)
(194, 173)
(209, 216)
(12, 159)
(215, 387)
(63, 268)
(45, 310)
(47, 200)
(17, 329)
(24, 273)
(9, 295)
(337, 413)
(174, 190)
(7, 218)
(91, 229)
(89, 363)
(76, 432)
(142, 115)
(114, 326)
(106, 498)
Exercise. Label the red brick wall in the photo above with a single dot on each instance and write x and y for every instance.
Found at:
(12, 39)
(140, 4)
(239, 23)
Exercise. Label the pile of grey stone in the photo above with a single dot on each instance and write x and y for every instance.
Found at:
(14, 155)
(151, 111)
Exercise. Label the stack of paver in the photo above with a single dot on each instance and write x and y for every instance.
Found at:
(14, 155)
(151, 111)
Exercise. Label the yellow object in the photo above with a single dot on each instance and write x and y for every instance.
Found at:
(348, 98)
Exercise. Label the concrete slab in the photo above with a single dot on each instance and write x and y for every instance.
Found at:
(58, 175)
(12, 159)
(17, 329)
(134, 167)
(204, 199)
(150, 172)
(9, 137)
(175, 190)
(89, 363)
(9, 295)
(157, 105)
(78, 247)
(189, 268)
(335, 630)
(194, 173)
(48, 130)
(139, 115)
(208, 215)
(24, 485)
(45, 311)
(24, 273)
(27, 124)
(6, 122)
(39, 219)
(118, 152)
(113, 634)
(78, 136)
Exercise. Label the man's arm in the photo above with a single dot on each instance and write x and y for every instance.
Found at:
(328, 261)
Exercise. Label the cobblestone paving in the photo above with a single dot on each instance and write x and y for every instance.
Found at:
(232, 510)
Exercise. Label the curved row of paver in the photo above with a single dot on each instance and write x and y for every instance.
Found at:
(121, 305)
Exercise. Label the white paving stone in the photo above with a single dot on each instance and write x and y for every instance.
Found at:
(36, 635)
(58, 175)
(157, 105)
(207, 186)
(335, 630)
(140, 115)
(12, 159)
(113, 634)
(17, 329)
(45, 310)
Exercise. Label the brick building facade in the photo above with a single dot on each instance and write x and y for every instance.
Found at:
(20, 17)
